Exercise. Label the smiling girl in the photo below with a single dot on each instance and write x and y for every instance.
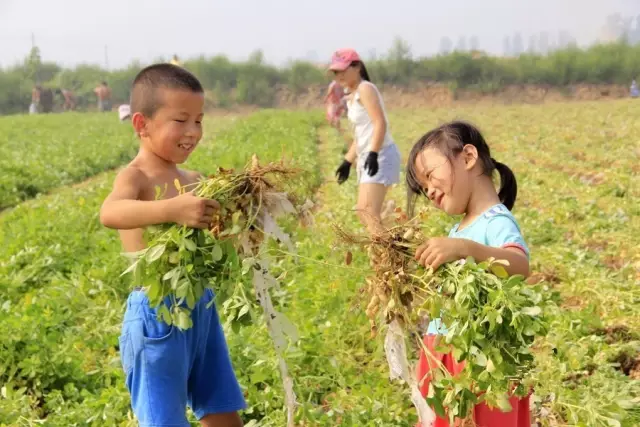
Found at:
(376, 154)
(453, 167)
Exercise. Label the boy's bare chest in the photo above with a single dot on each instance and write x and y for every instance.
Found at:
(165, 186)
(158, 186)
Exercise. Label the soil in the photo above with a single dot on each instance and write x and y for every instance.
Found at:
(441, 95)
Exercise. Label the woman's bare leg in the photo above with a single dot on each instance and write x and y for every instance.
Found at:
(369, 207)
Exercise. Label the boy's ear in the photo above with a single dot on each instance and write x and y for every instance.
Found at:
(139, 122)
(470, 154)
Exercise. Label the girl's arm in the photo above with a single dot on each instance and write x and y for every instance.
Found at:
(518, 262)
(440, 250)
(351, 154)
(371, 102)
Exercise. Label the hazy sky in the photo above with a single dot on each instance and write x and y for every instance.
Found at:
(76, 31)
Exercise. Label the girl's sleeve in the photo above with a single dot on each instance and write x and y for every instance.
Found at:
(503, 232)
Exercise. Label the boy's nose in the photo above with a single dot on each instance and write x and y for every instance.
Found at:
(192, 130)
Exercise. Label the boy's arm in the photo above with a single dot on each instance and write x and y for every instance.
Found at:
(123, 210)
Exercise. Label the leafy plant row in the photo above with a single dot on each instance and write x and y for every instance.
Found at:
(62, 295)
(38, 154)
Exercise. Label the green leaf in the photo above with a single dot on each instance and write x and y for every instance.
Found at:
(532, 311)
(190, 245)
(154, 293)
(499, 271)
(183, 289)
(174, 257)
(134, 256)
(216, 253)
(154, 253)
(458, 354)
(183, 319)
(490, 366)
(164, 314)
(437, 407)
(258, 377)
(244, 310)
(169, 274)
(435, 309)
(131, 268)
(247, 264)
(176, 278)
(235, 218)
(191, 300)
(503, 403)
(481, 359)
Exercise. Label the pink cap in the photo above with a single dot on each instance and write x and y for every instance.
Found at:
(342, 59)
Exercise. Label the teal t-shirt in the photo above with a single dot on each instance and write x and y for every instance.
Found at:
(496, 227)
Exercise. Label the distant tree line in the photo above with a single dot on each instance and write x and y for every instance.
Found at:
(255, 82)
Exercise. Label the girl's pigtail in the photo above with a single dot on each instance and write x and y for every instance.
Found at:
(508, 185)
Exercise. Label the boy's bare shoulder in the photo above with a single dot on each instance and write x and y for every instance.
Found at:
(132, 175)
(130, 183)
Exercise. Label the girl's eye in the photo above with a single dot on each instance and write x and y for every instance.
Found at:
(180, 121)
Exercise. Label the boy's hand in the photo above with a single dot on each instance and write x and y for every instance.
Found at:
(191, 210)
(440, 250)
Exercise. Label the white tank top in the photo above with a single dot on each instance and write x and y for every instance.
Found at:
(362, 123)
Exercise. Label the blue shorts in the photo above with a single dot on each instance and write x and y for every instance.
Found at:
(167, 369)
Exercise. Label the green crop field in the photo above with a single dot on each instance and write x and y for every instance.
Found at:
(62, 296)
(40, 153)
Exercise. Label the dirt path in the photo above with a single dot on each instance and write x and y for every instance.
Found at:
(325, 160)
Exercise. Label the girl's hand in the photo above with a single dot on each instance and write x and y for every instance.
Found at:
(440, 250)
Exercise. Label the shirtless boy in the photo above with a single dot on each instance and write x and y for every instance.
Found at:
(167, 369)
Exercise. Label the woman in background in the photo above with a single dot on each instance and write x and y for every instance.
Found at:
(335, 104)
(373, 150)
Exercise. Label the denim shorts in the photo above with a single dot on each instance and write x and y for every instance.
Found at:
(388, 167)
(167, 369)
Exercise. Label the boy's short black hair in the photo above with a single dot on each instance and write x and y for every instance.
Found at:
(144, 97)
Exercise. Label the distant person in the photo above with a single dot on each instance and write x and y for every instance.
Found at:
(335, 104)
(376, 154)
(176, 61)
(46, 100)
(166, 369)
(35, 99)
(69, 99)
(124, 112)
(103, 92)
(634, 89)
